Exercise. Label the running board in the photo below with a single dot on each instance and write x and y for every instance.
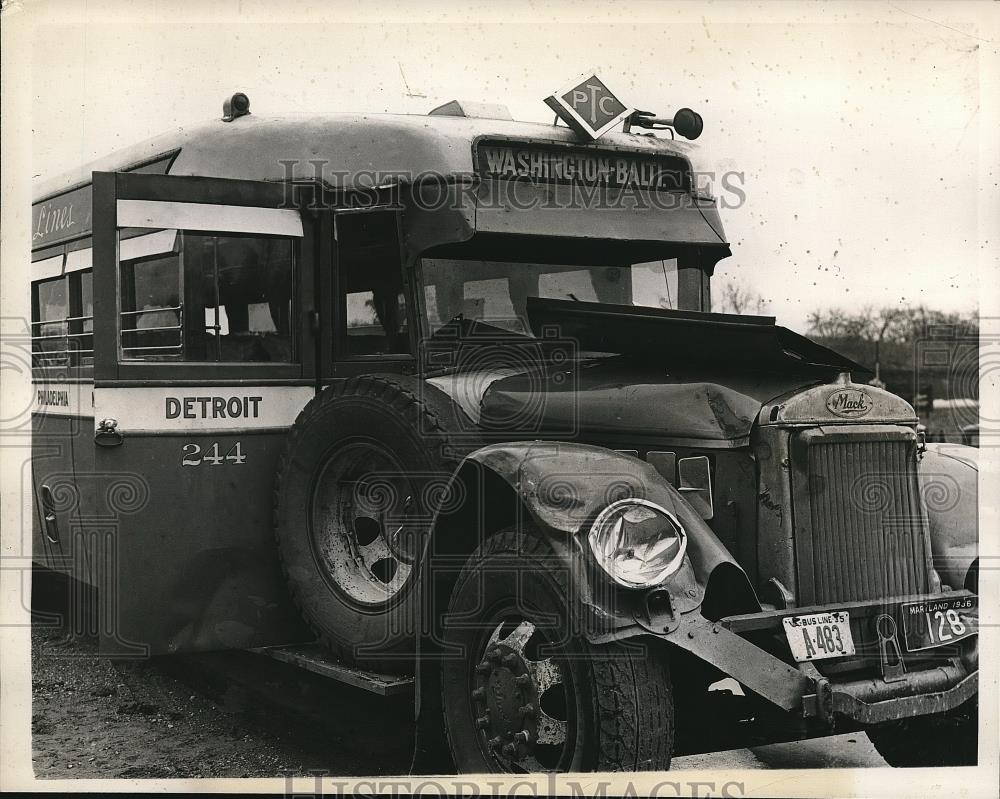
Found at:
(314, 658)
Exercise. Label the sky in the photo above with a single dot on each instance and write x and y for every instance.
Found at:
(858, 135)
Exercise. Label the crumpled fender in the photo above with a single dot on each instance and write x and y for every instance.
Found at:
(949, 477)
(563, 486)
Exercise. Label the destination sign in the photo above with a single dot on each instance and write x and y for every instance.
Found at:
(537, 164)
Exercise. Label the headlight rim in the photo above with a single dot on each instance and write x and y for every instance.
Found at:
(669, 570)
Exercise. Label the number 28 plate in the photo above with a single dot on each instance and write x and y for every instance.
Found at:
(939, 621)
(818, 636)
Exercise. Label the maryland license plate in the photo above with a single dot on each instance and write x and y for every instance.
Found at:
(818, 636)
(934, 622)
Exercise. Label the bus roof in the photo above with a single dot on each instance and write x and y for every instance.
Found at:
(260, 148)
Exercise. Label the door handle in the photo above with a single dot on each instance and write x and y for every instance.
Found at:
(108, 434)
(49, 514)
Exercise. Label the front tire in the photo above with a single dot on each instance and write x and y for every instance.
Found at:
(948, 739)
(524, 693)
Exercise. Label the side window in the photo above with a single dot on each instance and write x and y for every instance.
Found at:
(87, 305)
(62, 320)
(372, 301)
(196, 296)
(240, 295)
(150, 291)
(50, 325)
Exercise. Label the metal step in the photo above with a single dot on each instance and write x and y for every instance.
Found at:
(316, 659)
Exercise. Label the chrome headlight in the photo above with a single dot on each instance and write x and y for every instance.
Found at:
(638, 543)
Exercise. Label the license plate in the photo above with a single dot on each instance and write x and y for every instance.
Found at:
(818, 636)
(934, 622)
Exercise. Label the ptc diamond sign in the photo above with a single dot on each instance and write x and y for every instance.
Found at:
(588, 107)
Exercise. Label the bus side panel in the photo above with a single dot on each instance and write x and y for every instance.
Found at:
(192, 559)
(58, 499)
(51, 468)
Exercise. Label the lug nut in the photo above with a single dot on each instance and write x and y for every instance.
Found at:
(483, 722)
(479, 693)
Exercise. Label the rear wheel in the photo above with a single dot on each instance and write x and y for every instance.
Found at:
(529, 695)
(947, 739)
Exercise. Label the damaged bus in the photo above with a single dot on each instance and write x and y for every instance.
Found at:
(442, 400)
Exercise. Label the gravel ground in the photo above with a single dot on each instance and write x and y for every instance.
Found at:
(95, 718)
(203, 716)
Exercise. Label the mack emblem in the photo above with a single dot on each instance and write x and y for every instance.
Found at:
(849, 402)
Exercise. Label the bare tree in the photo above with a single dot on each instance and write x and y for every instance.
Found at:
(738, 299)
(893, 324)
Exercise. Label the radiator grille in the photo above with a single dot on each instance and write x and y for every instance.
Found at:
(865, 522)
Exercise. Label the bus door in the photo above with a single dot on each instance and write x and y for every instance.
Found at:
(373, 317)
(205, 353)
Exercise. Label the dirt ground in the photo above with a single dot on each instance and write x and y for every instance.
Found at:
(185, 718)
(210, 716)
(238, 714)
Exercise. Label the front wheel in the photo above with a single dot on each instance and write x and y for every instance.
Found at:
(948, 739)
(523, 693)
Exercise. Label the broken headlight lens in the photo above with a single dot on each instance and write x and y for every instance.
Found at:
(638, 543)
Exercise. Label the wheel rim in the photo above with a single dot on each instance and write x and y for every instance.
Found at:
(364, 523)
(522, 701)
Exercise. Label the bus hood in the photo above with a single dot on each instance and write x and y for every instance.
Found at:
(662, 375)
(618, 400)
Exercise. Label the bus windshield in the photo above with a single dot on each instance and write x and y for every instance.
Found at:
(496, 292)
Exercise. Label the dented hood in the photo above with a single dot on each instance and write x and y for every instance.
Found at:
(676, 375)
(618, 398)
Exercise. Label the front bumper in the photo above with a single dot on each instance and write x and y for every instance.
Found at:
(750, 648)
(926, 692)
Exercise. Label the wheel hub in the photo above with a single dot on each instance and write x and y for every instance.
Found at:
(506, 692)
(363, 525)
(508, 687)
